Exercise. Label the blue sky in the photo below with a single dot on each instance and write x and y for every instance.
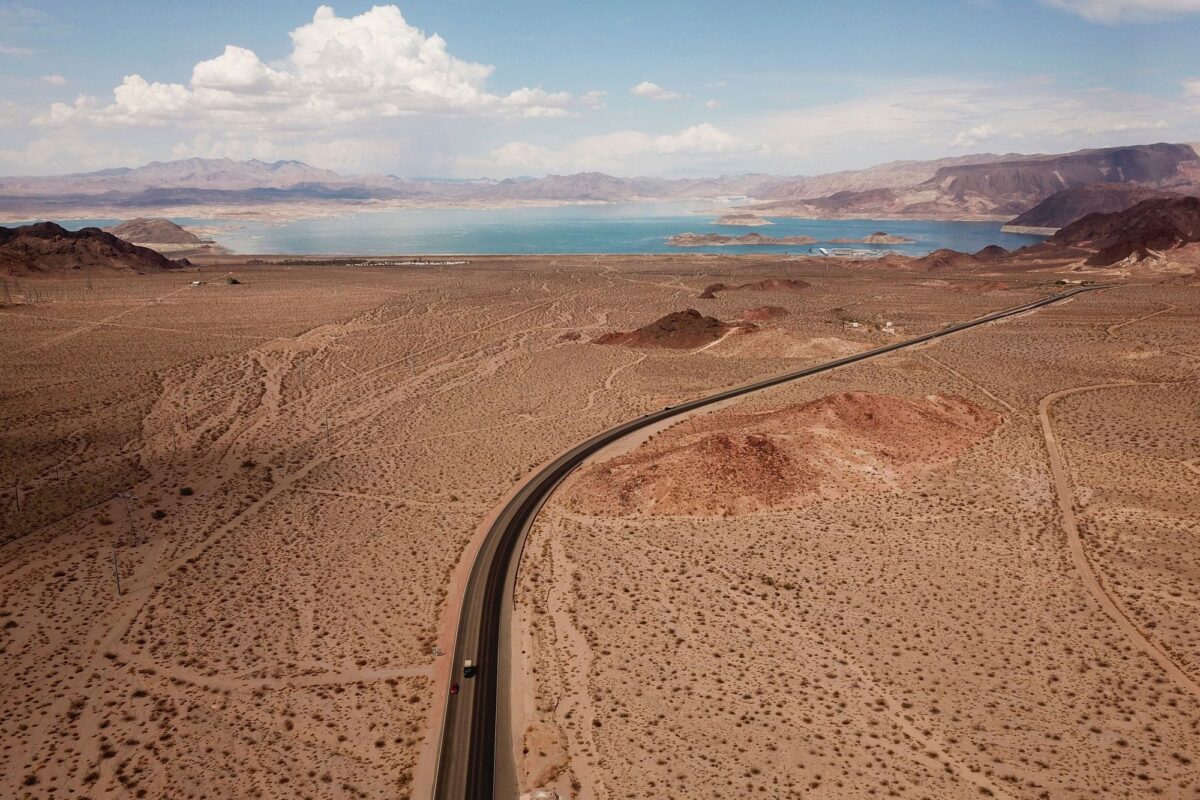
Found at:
(669, 88)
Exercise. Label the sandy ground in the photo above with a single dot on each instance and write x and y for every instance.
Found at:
(1017, 621)
(306, 456)
(286, 474)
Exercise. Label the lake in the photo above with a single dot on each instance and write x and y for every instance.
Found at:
(599, 228)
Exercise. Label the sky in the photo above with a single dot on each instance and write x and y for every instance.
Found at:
(473, 88)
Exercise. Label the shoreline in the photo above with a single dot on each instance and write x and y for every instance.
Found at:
(38, 209)
(1029, 230)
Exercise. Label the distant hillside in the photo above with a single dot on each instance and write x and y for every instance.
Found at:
(1027, 181)
(193, 173)
(1064, 207)
(882, 176)
(1008, 186)
(45, 247)
(145, 230)
(1159, 225)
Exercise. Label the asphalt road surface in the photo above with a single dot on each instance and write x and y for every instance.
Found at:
(473, 731)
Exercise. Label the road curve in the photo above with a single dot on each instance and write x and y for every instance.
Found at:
(466, 767)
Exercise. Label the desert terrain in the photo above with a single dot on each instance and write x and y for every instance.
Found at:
(964, 570)
(236, 515)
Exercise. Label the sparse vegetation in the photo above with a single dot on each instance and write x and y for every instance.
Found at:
(911, 629)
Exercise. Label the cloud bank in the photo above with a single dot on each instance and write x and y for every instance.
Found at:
(340, 71)
(1110, 12)
(622, 152)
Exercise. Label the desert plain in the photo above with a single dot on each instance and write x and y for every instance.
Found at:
(235, 517)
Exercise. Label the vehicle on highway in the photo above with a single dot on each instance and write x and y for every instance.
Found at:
(469, 669)
(454, 688)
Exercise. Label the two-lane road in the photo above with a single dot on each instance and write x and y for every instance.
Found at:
(467, 758)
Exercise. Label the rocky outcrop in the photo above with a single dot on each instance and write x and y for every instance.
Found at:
(681, 330)
(45, 247)
(1158, 225)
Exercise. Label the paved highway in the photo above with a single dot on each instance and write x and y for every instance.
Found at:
(467, 766)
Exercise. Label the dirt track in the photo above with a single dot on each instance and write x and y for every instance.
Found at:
(1083, 565)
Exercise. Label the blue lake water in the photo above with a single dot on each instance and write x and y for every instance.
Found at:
(601, 228)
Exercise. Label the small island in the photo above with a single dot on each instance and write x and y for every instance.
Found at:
(723, 240)
(878, 237)
(745, 220)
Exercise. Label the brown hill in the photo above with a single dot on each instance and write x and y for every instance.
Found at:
(946, 260)
(1160, 224)
(791, 285)
(1062, 208)
(681, 330)
(154, 231)
(991, 253)
(47, 247)
(731, 462)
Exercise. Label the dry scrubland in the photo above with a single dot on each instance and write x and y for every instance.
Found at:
(803, 595)
(308, 456)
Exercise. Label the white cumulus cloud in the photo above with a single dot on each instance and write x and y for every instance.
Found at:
(342, 70)
(652, 91)
(54, 80)
(973, 136)
(1110, 12)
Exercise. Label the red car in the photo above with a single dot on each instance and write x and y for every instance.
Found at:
(454, 688)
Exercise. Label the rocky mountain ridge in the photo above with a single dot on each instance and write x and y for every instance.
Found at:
(45, 247)
(982, 186)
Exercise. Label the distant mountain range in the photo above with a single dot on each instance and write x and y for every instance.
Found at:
(984, 186)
